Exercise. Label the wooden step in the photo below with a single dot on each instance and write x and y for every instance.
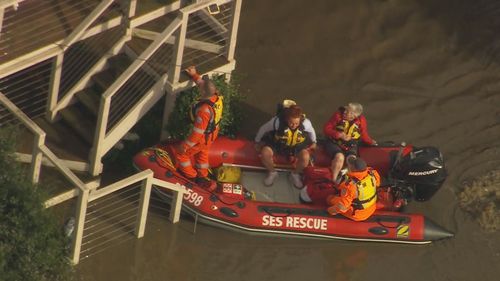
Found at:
(91, 99)
(116, 66)
(81, 121)
(53, 133)
(63, 141)
(104, 79)
(119, 63)
(138, 45)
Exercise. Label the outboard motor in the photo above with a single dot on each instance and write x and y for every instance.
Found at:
(420, 173)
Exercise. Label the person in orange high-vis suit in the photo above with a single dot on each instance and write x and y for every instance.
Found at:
(357, 196)
(206, 114)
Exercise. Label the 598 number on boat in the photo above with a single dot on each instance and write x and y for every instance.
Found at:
(193, 197)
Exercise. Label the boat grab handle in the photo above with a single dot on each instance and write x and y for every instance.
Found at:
(399, 221)
(269, 212)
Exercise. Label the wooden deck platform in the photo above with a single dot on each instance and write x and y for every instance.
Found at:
(37, 24)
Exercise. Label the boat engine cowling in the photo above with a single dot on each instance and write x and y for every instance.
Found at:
(422, 170)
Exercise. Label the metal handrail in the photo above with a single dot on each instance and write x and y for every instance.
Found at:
(39, 147)
(74, 36)
(147, 179)
(84, 25)
(52, 50)
(102, 122)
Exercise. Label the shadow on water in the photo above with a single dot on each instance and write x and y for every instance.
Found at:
(173, 252)
(255, 117)
(473, 25)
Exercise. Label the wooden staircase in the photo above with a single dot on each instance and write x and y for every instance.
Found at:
(103, 89)
(71, 135)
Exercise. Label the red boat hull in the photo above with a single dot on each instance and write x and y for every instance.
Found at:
(288, 219)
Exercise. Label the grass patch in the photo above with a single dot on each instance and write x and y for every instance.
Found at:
(481, 198)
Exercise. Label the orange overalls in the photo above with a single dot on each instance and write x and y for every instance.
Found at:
(358, 195)
(198, 142)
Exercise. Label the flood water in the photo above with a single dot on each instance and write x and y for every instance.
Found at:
(427, 73)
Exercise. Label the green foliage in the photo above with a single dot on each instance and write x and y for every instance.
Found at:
(179, 123)
(32, 245)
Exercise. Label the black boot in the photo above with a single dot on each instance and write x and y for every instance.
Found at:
(206, 183)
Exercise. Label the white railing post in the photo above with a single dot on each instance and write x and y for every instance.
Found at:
(81, 211)
(55, 81)
(233, 29)
(62, 167)
(143, 57)
(175, 207)
(2, 10)
(36, 160)
(101, 145)
(180, 39)
(131, 9)
(81, 84)
(178, 191)
(39, 138)
(143, 206)
(55, 78)
(95, 167)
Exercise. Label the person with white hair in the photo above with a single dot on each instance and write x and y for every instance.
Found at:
(345, 130)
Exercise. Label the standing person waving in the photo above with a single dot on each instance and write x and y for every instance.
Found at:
(206, 114)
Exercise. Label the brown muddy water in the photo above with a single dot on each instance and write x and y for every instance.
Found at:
(427, 72)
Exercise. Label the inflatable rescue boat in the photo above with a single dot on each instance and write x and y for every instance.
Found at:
(245, 204)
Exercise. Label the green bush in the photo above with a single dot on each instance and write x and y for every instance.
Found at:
(32, 245)
(179, 124)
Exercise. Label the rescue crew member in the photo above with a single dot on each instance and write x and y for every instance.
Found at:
(357, 196)
(345, 130)
(290, 134)
(206, 115)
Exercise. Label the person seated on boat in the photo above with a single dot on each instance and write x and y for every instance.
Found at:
(206, 114)
(357, 192)
(345, 130)
(289, 134)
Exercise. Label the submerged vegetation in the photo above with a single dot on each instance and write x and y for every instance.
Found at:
(32, 244)
(481, 198)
